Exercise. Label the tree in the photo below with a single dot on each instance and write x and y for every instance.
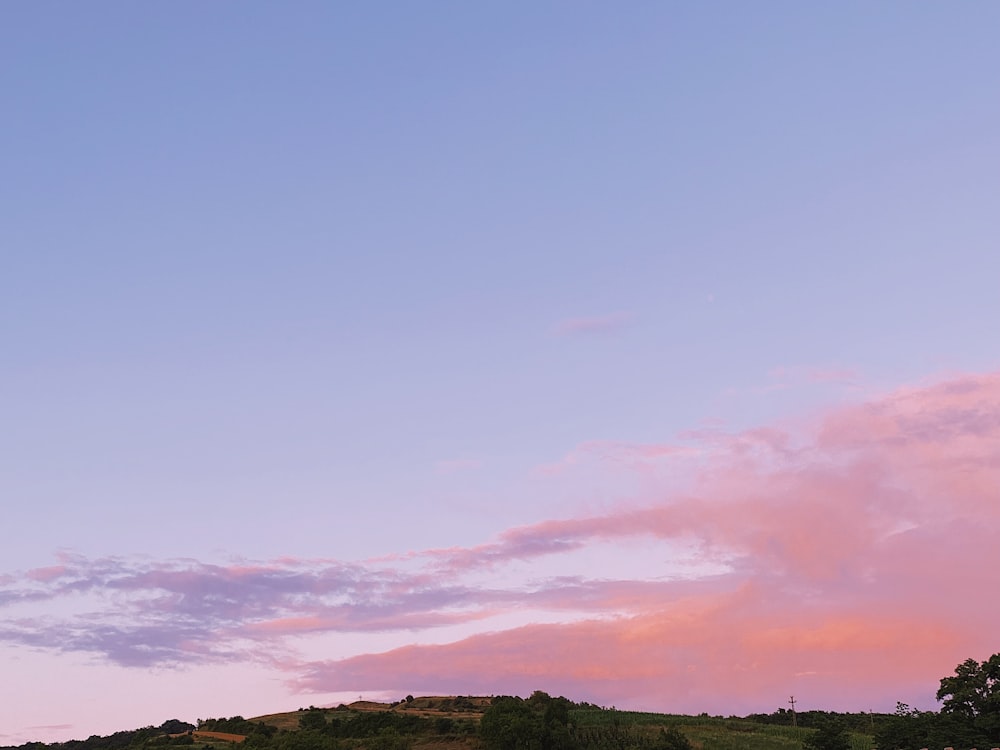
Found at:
(444, 725)
(972, 694)
(538, 723)
(313, 719)
(911, 729)
(175, 726)
(511, 724)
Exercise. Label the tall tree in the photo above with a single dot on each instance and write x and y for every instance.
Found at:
(973, 694)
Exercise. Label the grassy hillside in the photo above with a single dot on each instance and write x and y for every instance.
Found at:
(715, 732)
(704, 732)
(453, 723)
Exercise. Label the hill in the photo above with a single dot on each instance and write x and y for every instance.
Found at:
(485, 723)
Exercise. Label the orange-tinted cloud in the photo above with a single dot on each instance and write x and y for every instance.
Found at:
(855, 564)
(863, 556)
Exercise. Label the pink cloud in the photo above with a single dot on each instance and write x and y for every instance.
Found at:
(707, 654)
(46, 574)
(825, 581)
(858, 554)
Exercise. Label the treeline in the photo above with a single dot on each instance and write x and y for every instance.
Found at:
(861, 722)
(539, 722)
(969, 718)
(910, 729)
(237, 725)
(542, 722)
(124, 740)
(969, 715)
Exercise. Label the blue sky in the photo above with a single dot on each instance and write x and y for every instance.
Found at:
(340, 282)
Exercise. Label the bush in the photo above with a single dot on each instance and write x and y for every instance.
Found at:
(829, 737)
(672, 738)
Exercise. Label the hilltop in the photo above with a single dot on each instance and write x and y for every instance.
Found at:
(540, 722)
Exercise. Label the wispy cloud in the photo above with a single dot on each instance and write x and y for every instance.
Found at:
(834, 375)
(830, 537)
(592, 324)
(610, 452)
(49, 727)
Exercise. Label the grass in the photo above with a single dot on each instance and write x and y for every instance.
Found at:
(705, 732)
(714, 732)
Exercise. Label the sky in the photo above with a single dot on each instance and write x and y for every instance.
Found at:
(642, 353)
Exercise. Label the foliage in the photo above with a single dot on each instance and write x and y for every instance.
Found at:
(972, 695)
(305, 739)
(862, 722)
(539, 722)
(609, 729)
(313, 719)
(444, 725)
(175, 726)
(389, 739)
(511, 724)
(671, 738)
(969, 716)
(236, 725)
(125, 740)
(910, 729)
(832, 736)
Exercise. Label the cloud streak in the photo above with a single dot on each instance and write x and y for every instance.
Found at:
(596, 324)
(829, 539)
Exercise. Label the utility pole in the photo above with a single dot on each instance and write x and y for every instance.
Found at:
(792, 701)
